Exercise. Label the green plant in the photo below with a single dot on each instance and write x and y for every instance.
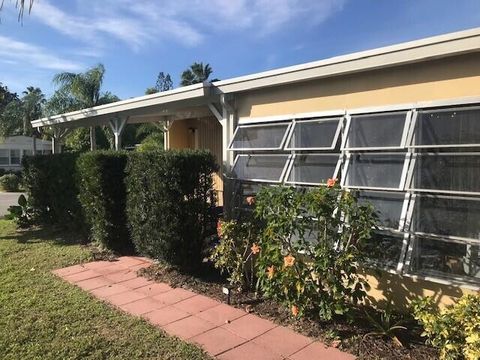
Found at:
(51, 187)
(309, 256)
(102, 193)
(10, 182)
(22, 214)
(455, 330)
(236, 251)
(386, 324)
(168, 204)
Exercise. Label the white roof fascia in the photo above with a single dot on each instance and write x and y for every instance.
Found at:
(409, 52)
(166, 97)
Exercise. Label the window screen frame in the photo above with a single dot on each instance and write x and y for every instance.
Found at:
(413, 127)
(411, 174)
(282, 175)
(244, 126)
(403, 176)
(408, 269)
(300, 183)
(409, 114)
(303, 121)
(411, 209)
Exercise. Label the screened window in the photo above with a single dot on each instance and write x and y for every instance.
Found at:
(375, 170)
(447, 127)
(376, 131)
(312, 168)
(439, 257)
(4, 157)
(388, 206)
(27, 152)
(447, 172)
(383, 249)
(447, 216)
(15, 157)
(268, 168)
(259, 137)
(46, 152)
(315, 134)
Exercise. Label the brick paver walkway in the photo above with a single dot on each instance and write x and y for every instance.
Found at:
(222, 330)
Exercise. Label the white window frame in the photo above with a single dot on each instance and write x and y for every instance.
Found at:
(411, 142)
(317, 120)
(282, 175)
(411, 174)
(276, 124)
(444, 278)
(403, 176)
(403, 140)
(292, 161)
(433, 235)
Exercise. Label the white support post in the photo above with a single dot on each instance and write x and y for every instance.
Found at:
(93, 139)
(57, 137)
(117, 125)
(34, 145)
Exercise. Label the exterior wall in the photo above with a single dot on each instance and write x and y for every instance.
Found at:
(435, 80)
(23, 144)
(203, 133)
(442, 79)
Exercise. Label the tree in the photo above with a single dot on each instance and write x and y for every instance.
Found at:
(20, 5)
(33, 99)
(164, 83)
(196, 73)
(80, 91)
(84, 87)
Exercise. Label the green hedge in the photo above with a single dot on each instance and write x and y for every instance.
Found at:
(51, 187)
(10, 182)
(101, 179)
(167, 204)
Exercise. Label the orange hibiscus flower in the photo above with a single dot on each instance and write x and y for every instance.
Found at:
(331, 182)
(294, 310)
(271, 271)
(288, 260)
(250, 200)
(255, 249)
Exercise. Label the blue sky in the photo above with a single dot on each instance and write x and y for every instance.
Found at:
(135, 39)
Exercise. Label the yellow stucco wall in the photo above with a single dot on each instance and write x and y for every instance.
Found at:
(434, 80)
(209, 136)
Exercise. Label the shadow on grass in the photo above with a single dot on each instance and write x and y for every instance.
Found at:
(52, 234)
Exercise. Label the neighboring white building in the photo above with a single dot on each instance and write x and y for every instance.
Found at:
(13, 148)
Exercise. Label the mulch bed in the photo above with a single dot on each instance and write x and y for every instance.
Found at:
(345, 335)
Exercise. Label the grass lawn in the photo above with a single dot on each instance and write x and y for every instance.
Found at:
(42, 317)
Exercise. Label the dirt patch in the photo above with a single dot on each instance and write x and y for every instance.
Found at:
(346, 335)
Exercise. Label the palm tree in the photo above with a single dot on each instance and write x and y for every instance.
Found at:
(196, 73)
(33, 99)
(84, 87)
(20, 5)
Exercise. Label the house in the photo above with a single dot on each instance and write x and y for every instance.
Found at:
(13, 148)
(399, 124)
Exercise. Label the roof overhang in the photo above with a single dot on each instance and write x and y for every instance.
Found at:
(447, 45)
(184, 102)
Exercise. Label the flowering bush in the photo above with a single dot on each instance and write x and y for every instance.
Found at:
(309, 256)
(234, 255)
(455, 330)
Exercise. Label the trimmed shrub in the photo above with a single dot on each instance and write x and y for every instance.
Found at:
(101, 179)
(52, 192)
(168, 204)
(10, 182)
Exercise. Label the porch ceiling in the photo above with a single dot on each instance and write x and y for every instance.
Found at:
(183, 103)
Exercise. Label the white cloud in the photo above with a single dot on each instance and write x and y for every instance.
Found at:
(189, 22)
(25, 54)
